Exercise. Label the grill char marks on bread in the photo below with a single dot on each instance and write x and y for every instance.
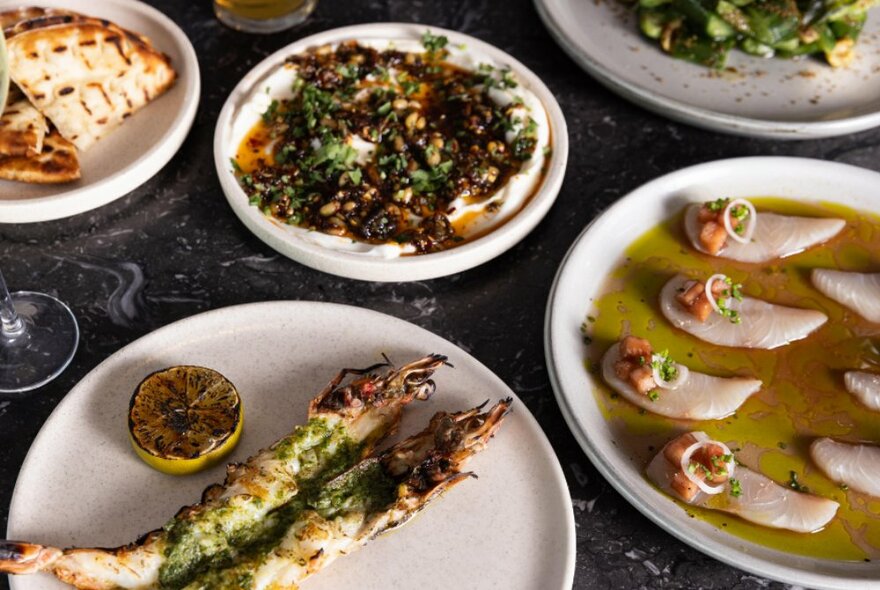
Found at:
(57, 162)
(22, 127)
(86, 75)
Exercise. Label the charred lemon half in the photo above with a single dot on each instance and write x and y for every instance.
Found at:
(184, 419)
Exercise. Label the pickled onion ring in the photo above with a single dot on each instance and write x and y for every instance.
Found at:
(681, 374)
(747, 234)
(708, 289)
(686, 461)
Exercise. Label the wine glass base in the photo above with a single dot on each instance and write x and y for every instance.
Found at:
(44, 349)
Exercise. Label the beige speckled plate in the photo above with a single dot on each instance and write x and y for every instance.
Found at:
(305, 247)
(774, 98)
(134, 152)
(81, 483)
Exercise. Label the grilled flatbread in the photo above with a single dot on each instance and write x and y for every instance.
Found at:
(8, 18)
(56, 163)
(22, 127)
(85, 75)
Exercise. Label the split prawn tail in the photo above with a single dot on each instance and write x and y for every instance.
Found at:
(86, 569)
(17, 557)
(342, 517)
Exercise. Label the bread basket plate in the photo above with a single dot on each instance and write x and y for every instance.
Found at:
(135, 151)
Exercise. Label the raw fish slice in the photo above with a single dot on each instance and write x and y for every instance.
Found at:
(776, 236)
(859, 292)
(865, 386)
(761, 500)
(765, 502)
(701, 397)
(763, 325)
(856, 466)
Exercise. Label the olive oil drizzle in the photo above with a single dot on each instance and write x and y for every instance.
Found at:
(803, 395)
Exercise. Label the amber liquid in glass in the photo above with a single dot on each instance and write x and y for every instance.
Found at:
(263, 16)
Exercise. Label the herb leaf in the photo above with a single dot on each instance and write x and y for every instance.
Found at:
(433, 43)
(735, 487)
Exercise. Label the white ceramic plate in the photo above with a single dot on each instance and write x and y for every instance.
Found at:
(293, 242)
(581, 279)
(135, 151)
(774, 98)
(81, 483)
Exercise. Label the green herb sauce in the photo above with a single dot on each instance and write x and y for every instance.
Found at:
(364, 489)
(213, 537)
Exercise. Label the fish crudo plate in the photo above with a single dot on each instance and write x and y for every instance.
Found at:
(619, 453)
(354, 245)
(773, 98)
(131, 154)
(82, 464)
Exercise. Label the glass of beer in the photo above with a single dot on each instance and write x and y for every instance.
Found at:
(263, 16)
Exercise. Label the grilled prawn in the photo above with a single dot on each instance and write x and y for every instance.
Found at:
(375, 496)
(345, 423)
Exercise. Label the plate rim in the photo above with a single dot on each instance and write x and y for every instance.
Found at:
(683, 112)
(146, 166)
(757, 565)
(267, 309)
(406, 268)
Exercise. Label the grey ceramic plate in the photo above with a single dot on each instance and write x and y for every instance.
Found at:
(774, 98)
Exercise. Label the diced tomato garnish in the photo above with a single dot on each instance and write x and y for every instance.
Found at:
(633, 348)
(623, 368)
(676, 448)
(713, 237)
(712, 458)
(684, 487)
(694, 299)
(642, 379)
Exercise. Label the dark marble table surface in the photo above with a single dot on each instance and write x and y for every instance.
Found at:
(173, 248)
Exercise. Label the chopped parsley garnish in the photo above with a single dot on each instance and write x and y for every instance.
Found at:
(719, 462)
(431, 180)
(525, 141)
(733, 290)
(740, 213)
(718, 205)
(495, 78)
(271, 112)
(653, 395)
(433, 43)
(735, 487)
(356, 175)
(665, 366)
(796, 485)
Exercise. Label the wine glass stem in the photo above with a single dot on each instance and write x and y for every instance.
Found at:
(11, 325)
